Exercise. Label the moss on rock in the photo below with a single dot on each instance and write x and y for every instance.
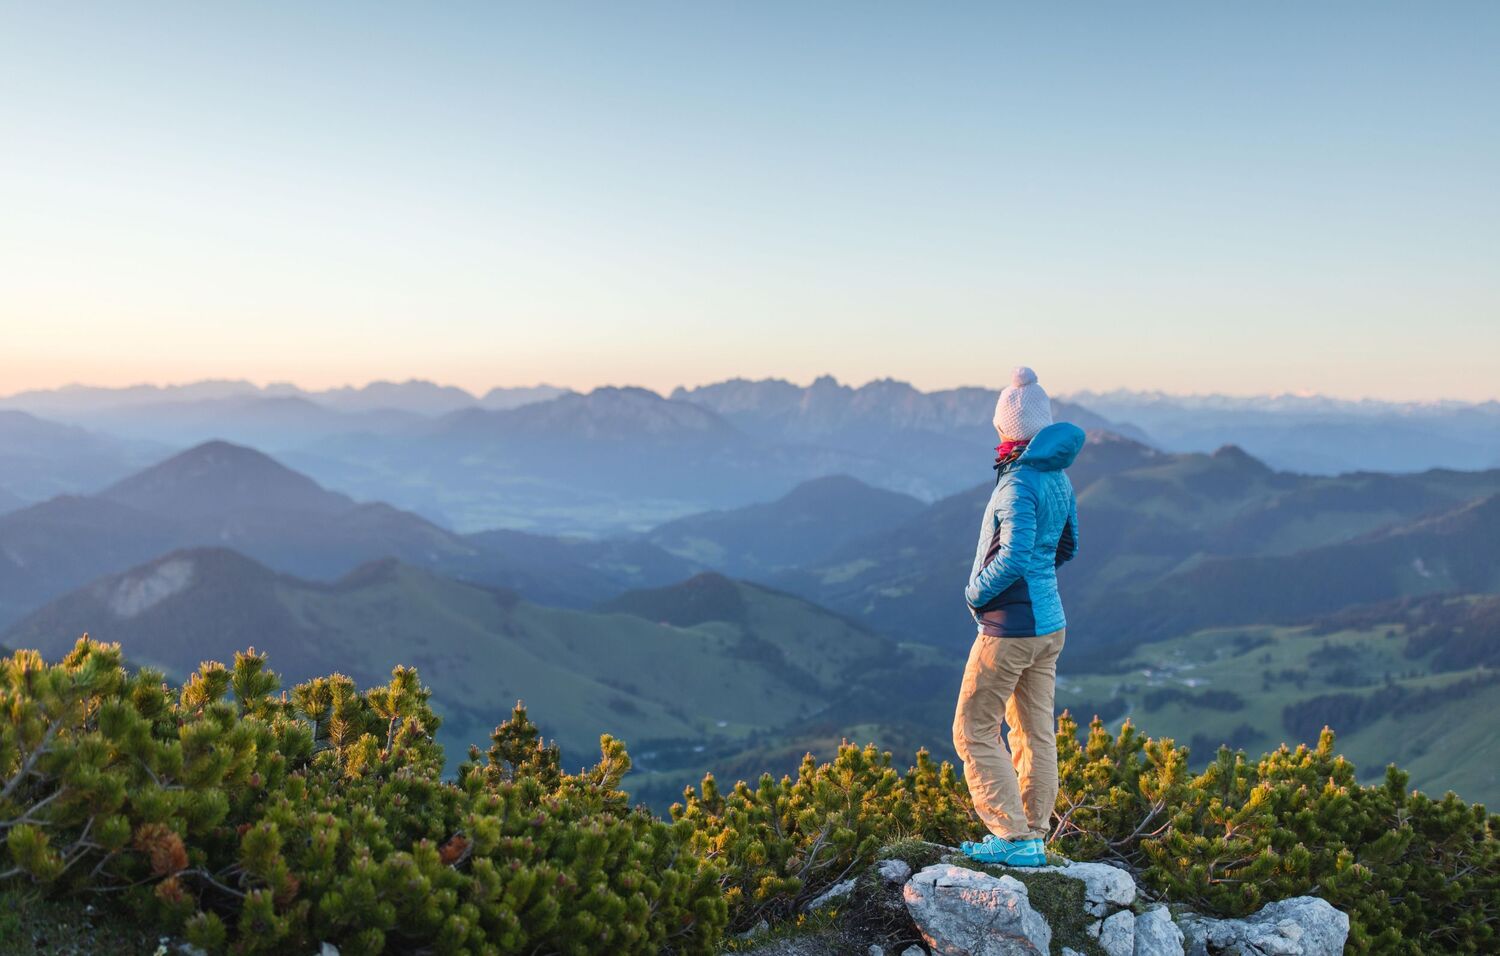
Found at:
(1059, 899)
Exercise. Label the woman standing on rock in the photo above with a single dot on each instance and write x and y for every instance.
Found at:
(1030, 528)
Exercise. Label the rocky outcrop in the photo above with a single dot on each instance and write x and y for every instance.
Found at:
(1156, 934)
(933, 894)
(963, 912)
(1301, 926)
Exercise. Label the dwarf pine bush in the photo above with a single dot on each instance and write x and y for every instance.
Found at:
(1416, 875)
(783, 842)
(253, 821)
(264, 824)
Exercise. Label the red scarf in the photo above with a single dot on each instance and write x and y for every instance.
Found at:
(1009, 450)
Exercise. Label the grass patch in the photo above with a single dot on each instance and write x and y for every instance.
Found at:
(820, 924)
(914, 853)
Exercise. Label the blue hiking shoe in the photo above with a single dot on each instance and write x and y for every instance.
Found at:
(994, 850)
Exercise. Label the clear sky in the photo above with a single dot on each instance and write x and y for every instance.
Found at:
(1252, 197)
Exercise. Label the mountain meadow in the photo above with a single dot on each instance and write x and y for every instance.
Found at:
(405, 669)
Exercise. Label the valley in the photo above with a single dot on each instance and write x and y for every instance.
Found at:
(1389, 698)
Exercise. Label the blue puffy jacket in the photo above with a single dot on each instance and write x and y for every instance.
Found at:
(1030, 528)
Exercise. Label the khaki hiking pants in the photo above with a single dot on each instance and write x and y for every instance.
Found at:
(1014, 677)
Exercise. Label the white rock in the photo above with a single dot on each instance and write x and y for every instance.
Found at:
(875, 950)
(328, 949)
(1117, 934)
(963, 912)
(1105, 888)
(894, 871)
(1300, 926)
(831, 895)
(914, 951)
(1156, 934)
(759, 929)
(1070, 952)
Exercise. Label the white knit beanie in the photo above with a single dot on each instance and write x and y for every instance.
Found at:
(1023, 408)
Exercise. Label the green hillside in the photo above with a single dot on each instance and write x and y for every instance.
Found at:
(479, 649)
(1455, 551)
(1211, 532)
(1452, 746)
(765, 624)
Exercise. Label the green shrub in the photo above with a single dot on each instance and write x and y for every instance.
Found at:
(784, 841)
(263, 824)
(1416, 875)
(252, 821)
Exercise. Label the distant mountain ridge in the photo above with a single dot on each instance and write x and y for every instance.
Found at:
(543, 459)
(828, 409)
(416, 395)
(1282, 402)
(800, 528)
(617, 459)
(628, 459)
(554, 459)
(219, 494)
(604, 415)
(1316, 434)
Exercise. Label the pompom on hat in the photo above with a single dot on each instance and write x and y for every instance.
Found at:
(1024, 408)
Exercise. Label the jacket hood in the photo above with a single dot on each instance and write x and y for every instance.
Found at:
(1053, 448)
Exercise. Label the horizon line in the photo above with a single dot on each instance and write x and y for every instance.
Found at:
(267, 385)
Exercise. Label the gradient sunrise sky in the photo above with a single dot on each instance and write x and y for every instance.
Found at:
(1182, 196)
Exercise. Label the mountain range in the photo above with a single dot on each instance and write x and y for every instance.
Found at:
(550, 460)
(844, 416)
(613, 460)
(786, 560)
(624, 459)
